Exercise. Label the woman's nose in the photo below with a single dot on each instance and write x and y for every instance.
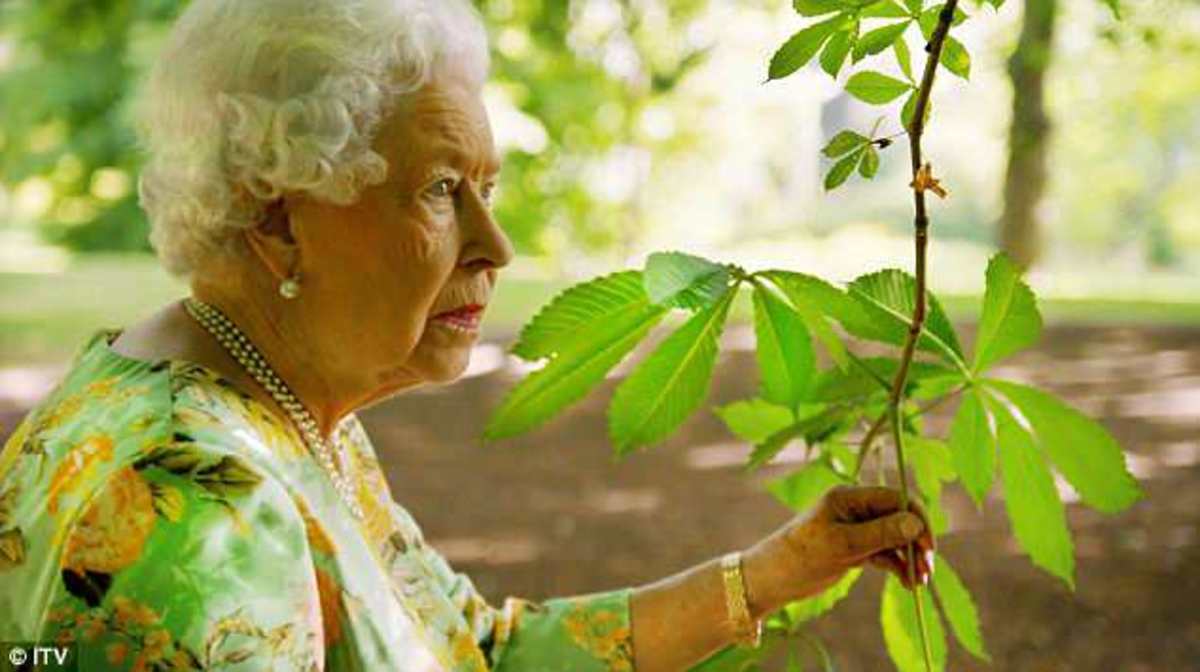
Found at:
(486, 242)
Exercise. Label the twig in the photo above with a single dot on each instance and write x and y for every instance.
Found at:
(868, 440)
(864, 446)
(921, 240)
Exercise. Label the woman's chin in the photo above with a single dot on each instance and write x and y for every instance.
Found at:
(441, 363)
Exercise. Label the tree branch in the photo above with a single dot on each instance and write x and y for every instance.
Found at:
(921, 242)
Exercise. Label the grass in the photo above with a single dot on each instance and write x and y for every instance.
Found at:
(45, 317)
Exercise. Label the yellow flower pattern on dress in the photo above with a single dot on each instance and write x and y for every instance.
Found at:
(157, 517)
(602, 632)
(110, 536)
(78, 466)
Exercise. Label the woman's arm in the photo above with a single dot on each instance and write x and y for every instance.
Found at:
(681, 620)
(674, 623)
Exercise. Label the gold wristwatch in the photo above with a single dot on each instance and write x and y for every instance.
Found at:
(747, 631)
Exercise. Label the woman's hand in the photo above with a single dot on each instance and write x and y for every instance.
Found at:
(850, 526)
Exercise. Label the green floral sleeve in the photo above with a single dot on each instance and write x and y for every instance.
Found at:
(584, 633)
(187, 559)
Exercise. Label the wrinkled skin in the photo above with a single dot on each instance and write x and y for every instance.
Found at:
(849, 527)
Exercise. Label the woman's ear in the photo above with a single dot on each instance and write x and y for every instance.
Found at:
(271, 240)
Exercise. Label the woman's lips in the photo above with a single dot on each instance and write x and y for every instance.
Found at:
(464, 318)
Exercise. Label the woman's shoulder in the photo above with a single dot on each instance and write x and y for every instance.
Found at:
(110, 411)
(102, 399)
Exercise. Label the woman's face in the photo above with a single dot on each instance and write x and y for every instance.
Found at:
(422, 242)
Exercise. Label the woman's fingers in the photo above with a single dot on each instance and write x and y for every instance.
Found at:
(893, 561)
(896, 530)
(858, 503)
(855, 505)
(888, 561)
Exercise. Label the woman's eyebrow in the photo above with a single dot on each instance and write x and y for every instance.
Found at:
(453, 155)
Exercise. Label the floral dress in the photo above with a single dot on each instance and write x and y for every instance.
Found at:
(158, 518)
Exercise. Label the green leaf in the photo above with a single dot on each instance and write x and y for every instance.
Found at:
(568, 376)
(869, 164)
(875, 87)
(574, 313)
(733, 658)
(855, 383)
(817, 300)
(902, 634)
(841, 170)
(904, 60)
(843, 143)
(801, 611)
(972, 446)
(955, 58)
(887, 298)
(1114, 5)
(754, 420)
(932, 465)
(800, 48)
(886, 9)
(1010, 321)
(959, 608)
(802, 488)
(784, 350)
(1039, 520)
(914, 6)
(675, 279)
(816, 7)
(834, 54)
(1083, 451)
(812, 427)
(877, 40)
(670, 383)
(842, 458)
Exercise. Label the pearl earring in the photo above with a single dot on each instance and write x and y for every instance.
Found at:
(290, 288)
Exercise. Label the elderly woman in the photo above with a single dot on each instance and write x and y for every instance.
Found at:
(198, 493)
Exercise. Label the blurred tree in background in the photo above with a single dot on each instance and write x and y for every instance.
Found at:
(65, 93)
(582, 76)
(587, 73)
(1130, 128)
(1159, 114)
(1025, 177)
(593, 94)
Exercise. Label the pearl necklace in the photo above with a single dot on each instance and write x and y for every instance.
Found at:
(239, 346)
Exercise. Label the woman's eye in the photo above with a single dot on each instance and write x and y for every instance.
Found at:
(442, 188)
(488, 192)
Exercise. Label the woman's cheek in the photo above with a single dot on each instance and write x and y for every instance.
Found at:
(428, 235)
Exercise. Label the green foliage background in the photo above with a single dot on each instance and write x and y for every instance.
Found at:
(74, 66)
(1124, 123)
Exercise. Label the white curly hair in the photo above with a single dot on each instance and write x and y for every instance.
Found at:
(252, 99)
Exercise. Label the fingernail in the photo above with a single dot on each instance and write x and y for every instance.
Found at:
(929, 560)
(910, 526)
